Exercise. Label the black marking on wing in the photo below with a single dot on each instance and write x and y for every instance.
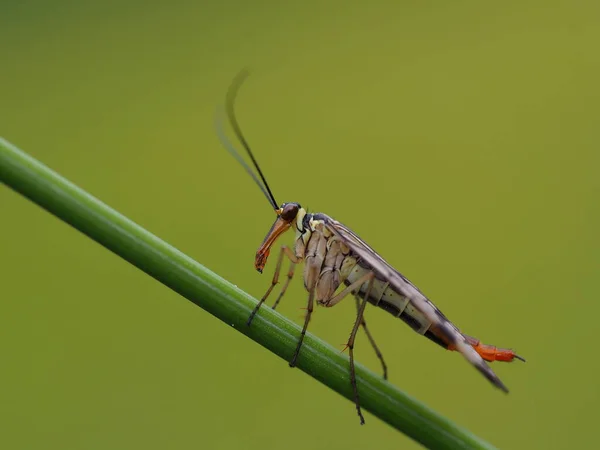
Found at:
(402, 285)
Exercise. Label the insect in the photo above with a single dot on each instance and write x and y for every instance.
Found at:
(335, 257)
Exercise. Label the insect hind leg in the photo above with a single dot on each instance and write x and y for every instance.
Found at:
(363, 323)
(350, 345)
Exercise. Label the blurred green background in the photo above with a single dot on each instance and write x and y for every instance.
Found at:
(460, 140)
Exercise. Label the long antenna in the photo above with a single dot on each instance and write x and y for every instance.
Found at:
(220, 115)
(229, 109)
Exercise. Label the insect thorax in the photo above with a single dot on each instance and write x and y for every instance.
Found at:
(328, 259)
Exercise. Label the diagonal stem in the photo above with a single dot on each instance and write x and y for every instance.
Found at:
(220, 298)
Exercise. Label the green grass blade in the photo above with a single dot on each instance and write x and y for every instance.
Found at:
(220, 298)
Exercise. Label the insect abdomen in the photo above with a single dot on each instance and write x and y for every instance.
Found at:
(383, 296)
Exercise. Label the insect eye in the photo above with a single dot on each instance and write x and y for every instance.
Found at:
(289, 211)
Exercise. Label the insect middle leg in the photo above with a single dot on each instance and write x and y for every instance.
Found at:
(285, 250)
(371, 339)
(309, 310)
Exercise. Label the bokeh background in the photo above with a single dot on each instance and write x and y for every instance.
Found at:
(459, 139)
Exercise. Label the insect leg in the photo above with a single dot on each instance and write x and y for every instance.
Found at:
(347, 290)
(309, 310)
(350, 345)
(285, 250)
(287, 283)
(489, 352)
(371, 340)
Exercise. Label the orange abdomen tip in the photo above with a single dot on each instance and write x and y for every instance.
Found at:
(491, 353)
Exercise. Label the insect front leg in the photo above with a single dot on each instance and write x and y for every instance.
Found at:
(371, 340)
(290, 275)
(285, 250)
(314, 256)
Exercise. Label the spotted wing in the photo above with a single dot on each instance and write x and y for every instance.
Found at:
(403, 286)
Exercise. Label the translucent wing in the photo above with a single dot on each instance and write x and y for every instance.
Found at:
(403, 286)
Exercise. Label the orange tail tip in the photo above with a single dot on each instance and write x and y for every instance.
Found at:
(491, 353)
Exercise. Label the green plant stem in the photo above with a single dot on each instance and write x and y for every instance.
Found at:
(223, 300)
